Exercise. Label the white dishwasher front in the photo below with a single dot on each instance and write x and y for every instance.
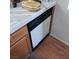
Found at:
(38, 33)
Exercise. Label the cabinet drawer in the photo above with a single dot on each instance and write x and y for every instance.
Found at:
(20, 50)
(18, 35)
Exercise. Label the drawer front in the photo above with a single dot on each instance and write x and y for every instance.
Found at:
(18, 35)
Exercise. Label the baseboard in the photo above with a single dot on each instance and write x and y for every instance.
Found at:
(59, 39)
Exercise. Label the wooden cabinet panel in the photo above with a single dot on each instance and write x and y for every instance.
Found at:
(18, 35)
(29, 43)
(20, 50)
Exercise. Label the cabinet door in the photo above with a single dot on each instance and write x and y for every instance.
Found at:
(20, 50)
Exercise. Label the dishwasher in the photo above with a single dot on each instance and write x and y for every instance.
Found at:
(39, 28)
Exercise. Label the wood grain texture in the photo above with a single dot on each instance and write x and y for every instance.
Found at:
(51, 48)
(20, 50)
(20, 47)
(18, 35)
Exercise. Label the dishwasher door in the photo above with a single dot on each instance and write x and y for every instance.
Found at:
(39, 28)
(38, 33)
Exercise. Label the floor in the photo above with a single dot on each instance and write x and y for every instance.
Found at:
(51, 48)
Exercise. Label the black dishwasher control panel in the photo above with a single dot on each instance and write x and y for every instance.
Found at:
(34, 23)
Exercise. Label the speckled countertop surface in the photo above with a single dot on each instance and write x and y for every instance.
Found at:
(20, 17)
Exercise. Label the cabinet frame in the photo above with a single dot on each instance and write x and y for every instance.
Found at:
(17, 41)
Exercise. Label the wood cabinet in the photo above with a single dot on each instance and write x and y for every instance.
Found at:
(20, 47)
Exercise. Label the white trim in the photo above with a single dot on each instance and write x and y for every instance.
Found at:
(60, 39)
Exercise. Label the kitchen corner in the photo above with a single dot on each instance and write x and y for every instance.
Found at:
(29, 29)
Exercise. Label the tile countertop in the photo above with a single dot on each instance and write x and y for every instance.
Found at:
(20, 17)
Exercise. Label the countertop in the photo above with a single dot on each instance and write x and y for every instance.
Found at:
(20, 17)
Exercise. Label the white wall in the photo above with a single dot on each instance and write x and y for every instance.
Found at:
(60, 26)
